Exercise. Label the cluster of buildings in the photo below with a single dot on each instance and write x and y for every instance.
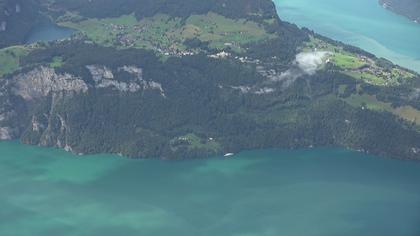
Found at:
(126, 39)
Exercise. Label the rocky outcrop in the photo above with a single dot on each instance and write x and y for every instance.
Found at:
(5, 133)
(133, 70)
(104, 78)
(8, 116)
(137, 74)
(22, 94)
(43, 80)
(53, 130)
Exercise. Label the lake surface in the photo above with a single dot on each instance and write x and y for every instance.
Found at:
(318, 192)
(363, 23)
(48, 32)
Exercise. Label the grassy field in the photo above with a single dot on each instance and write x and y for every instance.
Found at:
(380, 77)
(358, 66)
(221, 31)
(367, 77)
(371, 102)
(10, 57)
(368, 101)
(409, 113)
(315, 44)
(401, 74)
(56, 62)
(166, 34)
(192, 141)
(347, 61)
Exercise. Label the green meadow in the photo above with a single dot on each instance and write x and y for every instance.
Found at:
(10, 59)
(164, 33)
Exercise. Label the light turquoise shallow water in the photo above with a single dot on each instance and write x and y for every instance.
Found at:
(363, 23)
(319, 192)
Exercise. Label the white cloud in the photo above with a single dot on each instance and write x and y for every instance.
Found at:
(309, 62)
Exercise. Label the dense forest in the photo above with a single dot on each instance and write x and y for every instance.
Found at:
(17, 19)
(146, 8)
(88, 96)
(201, 113)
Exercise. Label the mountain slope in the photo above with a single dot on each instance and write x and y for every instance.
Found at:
(200, 79)
(17, 19)
(408, 8)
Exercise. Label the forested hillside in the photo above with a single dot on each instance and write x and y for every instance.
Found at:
(201, 78)
(17, 19)
(255, 9)
(408, 8)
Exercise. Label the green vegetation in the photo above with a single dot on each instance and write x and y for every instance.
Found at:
(367, 77)
(56, 62)
(347, 61)
(257, 10)
(189, 104)
(10, 59)
(317, 44)
(362, 67)
(166, 34)
(371, 102)
(201, 115)
(221, 32)
(193, 142)
(368, 102)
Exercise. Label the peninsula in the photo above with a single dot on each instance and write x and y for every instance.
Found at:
(183, 79)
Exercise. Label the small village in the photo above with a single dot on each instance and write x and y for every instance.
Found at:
(130, 36)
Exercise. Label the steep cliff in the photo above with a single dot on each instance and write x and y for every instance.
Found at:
(202, 79)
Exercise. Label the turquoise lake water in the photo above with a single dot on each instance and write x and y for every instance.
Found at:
(363, 23)
(48, 32)
(314, 192)
(318, 192)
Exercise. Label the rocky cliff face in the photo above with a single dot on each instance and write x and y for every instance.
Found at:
(104, 78)
(195, 110)
(133, 102)
(12, 114)
(42, 81)
(31, 103)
